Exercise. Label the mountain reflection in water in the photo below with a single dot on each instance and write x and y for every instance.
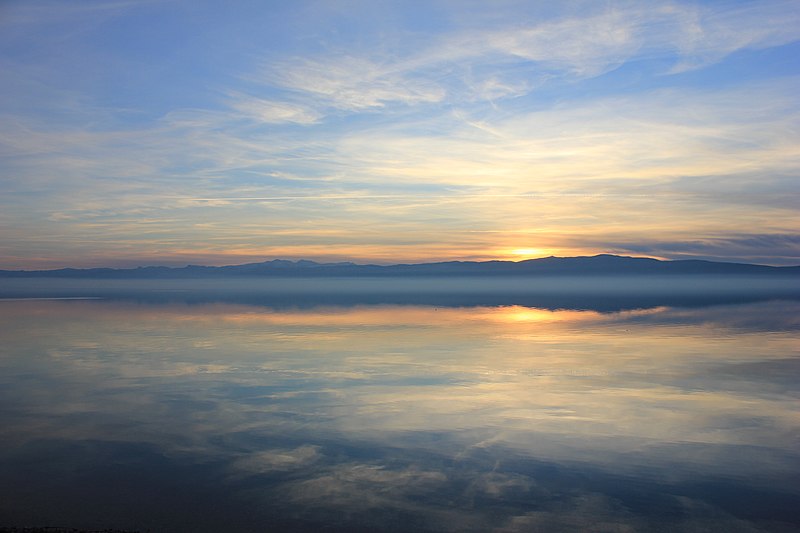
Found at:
(180, 412)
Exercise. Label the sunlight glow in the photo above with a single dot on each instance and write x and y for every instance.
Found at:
(530, 253)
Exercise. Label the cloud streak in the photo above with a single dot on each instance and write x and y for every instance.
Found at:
(512, 61)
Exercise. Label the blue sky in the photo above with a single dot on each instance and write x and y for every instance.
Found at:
(175, 132)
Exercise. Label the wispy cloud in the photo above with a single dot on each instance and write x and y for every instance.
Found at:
(516, 59)
(352, 83)
(271, 111)
(705, 35)
(777, 248)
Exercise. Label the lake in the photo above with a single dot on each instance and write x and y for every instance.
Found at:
(438, 405)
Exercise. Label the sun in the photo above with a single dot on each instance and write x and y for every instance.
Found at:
(530, 253)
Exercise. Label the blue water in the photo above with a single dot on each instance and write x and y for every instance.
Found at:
(171, 407)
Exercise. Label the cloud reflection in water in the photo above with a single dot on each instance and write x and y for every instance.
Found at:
(179, 417)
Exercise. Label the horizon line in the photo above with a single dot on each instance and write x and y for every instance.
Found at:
(382, 264)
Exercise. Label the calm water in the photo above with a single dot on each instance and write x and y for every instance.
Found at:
(175, 409)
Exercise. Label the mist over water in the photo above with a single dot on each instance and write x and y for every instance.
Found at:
(604, 293)
(432, 405)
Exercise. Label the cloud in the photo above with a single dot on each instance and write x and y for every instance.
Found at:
(351, 83)
(277, 460)
(655, 136)
(707, 35)
(511, 61)
(353, 485)
(776, 249)
(272, 112)
(608, 36)
(584, 512)
(580, 47)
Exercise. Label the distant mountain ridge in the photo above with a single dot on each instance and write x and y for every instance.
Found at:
(598, 265)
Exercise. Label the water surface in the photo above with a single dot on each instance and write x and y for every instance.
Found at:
(178, 410)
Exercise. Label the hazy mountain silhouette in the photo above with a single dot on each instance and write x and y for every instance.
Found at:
(598, 265)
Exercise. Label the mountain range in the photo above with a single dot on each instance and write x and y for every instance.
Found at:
(598, 265)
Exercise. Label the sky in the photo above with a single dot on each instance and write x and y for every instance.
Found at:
(175, 132)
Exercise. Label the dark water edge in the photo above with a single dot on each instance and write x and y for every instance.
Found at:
(604, 293)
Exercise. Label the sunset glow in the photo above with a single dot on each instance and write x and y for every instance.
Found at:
(530, 253)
